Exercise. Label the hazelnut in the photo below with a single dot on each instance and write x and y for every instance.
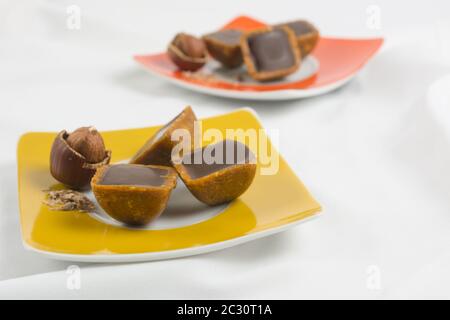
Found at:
(190, 45)
(89, 143)
(75, 157)
(187, 52)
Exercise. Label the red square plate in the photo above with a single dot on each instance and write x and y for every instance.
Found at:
(333, 62)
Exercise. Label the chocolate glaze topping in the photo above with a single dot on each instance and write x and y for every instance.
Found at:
(229, 37)
(271, 50)
(134, 175)
(216, 157)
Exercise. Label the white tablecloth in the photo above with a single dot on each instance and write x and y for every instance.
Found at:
(375, 153)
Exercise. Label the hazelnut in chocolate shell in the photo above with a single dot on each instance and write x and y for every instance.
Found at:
(75, 157)
(187, 52)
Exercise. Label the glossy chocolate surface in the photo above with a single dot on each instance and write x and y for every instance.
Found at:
(271, 50)
(216, 157)
(158, 135)
(299, 27)
(134, 175)
(228, 37)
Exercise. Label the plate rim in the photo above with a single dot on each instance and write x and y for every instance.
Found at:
(169, 254)
(273, 95)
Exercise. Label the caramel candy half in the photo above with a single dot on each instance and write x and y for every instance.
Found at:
(306, 33)
(271, 54)
(225, 47)
(218, 173)
(157, 150)
(133, 194)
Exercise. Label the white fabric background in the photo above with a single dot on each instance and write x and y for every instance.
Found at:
(375, 153)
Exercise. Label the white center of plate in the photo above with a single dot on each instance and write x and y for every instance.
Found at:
(182, 210)
(308, 68)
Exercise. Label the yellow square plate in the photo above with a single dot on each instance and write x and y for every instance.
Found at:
(272, 203)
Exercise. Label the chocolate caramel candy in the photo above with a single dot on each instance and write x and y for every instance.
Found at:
(218, 173)
(133, 194)
(271, 54)
(306, 33)
(158, 149)
(225, 47)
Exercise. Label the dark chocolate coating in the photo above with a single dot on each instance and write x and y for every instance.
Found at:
(228, 37)
(133, 175)
(216, 157)
(271, 50)
(300, 27)
(157, 150)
